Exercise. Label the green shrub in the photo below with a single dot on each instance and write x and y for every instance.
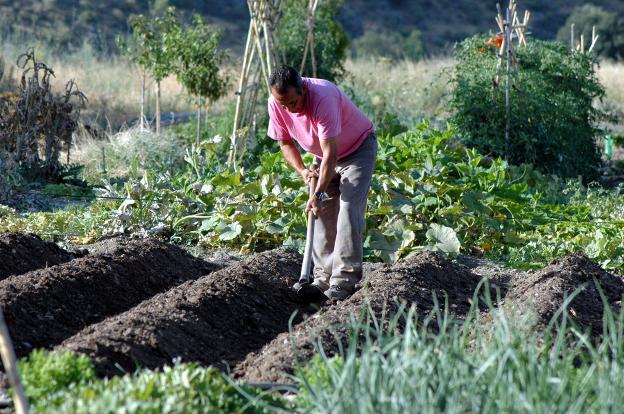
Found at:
(390, 44)
(183, 388)
(553, 122)
(331, 42)
(44, 373)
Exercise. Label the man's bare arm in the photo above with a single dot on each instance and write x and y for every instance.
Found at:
(292, 155)
(328, 165)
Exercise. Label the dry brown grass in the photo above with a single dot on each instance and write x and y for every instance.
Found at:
(113, 88)
(611, 76)
(113, 85)
(413, 90)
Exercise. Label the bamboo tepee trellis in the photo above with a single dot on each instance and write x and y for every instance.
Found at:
(259, 59)
(510, 28)
(580, 46)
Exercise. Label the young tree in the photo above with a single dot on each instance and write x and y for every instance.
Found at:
(152, 50)
(330, 39)
(198, 62)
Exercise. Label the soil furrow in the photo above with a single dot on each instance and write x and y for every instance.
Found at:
(21, 253)
(541, 294)
(214, 320)
(413, 282)
(45, 306)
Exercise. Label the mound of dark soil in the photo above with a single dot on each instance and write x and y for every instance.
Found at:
(21, 253)
(45, 306)
(545, 291)
(413, 281)
(214, 320)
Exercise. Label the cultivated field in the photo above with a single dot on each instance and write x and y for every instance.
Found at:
(157, 278)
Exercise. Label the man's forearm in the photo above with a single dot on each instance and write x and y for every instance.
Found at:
(328, 165)
(292, 155)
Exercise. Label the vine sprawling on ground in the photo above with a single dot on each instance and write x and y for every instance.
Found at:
(554, 124)
(429, 192)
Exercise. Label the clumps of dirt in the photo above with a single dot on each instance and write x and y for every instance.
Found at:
(414, 282)
(214, 320)
(21, 253)
(46, 306)
(544, 292)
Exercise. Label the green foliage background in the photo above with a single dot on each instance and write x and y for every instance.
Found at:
(553, 124)
(331, 42)
(395, 45)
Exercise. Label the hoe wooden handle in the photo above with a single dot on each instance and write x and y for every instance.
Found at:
(307, 254)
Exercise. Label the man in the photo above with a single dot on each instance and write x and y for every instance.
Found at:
(324, 121)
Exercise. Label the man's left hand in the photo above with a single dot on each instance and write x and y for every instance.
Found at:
(313, 204)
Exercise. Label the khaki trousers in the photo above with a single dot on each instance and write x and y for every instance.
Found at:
(338, 232)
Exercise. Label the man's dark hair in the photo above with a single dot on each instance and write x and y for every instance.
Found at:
(283, 77)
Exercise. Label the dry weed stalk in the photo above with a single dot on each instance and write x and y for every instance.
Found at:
(35, 123)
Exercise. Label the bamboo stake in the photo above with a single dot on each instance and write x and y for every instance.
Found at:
(499, 21)
(260, 54)
(247, 56)
(267, 43)
(10, 366)
(259, 59)
(507, 81)
(572, 36)
(142, 122)
(305, 55)
(594, 40)
(241, 92)
(313, 14)
(253, 95)
(307, 43)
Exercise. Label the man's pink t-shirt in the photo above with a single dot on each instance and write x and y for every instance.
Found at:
(328, 113)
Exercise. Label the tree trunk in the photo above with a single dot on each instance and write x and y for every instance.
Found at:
(158, 107)
(142, 122)
(198, 123)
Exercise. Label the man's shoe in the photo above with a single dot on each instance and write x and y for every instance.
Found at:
(338, 293)
(308, 292)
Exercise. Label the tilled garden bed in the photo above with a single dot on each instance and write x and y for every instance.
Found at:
(542, 293)
(45, 306)
(214, 320)
(416, 282)
(21, 253)
(143, 303)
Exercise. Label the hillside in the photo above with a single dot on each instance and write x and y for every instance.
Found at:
(66, 23)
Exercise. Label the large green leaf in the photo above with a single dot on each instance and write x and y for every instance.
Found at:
(472, 200)
(230, 232)
(209, 223)
(442, 238)
(278, 226)
(386, 250)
